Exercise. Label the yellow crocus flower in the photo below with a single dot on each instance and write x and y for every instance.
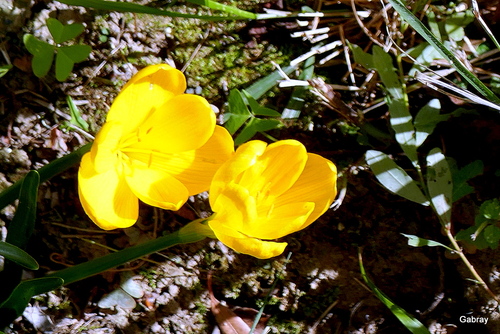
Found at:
(158, 145)
(265, 192)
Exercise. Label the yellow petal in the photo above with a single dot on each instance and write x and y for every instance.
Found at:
(145, 92)
(246, 155)
(156, 188)
(317, 183)
(234, 207)
(276, 169)
(205, 161)
(183, 123)
(104, 151)
(258, 248)
(195, 168)
(106, 197)
(282, 221)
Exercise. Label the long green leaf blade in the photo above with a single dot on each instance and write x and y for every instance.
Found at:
(136, 8)
(408, 16)
(14, 306)
(21, 227)
(408, 320)
(17, 255)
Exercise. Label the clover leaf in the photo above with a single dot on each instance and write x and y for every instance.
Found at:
(66, 56)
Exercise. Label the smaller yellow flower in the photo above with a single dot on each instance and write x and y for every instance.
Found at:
(265, 192)
(157, 145)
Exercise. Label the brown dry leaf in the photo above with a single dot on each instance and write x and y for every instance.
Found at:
(228, 321)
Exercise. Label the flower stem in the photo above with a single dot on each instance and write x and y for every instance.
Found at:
(193, 232)
(46, 172)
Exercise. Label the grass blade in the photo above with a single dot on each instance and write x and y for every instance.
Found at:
(136, 8)
(416, 24)
(409, 321)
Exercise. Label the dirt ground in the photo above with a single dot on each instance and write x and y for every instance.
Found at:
(319, 290)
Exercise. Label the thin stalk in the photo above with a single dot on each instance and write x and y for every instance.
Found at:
(57, 166)
(193, 232)
(471, 268)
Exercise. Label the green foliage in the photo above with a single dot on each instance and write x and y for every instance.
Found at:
(17, 255)
(76, 116)
(4, 69)
(66, 56)
(244, 108)
(408, 320)
(485, 233)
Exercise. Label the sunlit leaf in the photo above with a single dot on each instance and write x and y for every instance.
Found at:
(427, 119)
(43, 54)
(439, 184)
(415, 241)
(63, 33)
(393, 177)
(4, 69)
(238, 112)
(76, 116)
(253, 126)
(66, 58)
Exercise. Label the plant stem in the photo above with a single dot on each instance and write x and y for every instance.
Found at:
(464, 259)
(57, 166)
(193, 232)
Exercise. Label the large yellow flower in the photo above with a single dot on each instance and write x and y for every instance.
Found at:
(266, 192)
(157, 145)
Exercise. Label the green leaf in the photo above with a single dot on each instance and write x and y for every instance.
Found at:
(262, 86)
(490, 209)
(400, 117)
(76, 116)
(416, 24)
(460, 177)
(492, 235)
(136, 8)
(297, 101)
(253, 126)
(415, 241)
(66, 58)
(393, 177)
(439, 184)
(14, 306)
(427, 119)
(238, 112)
(17, 255)
(455, 23)
(23, 223)
(192, 232)
(4, 69)
(43, 54)
(257, 109)
(361, 57)
(408, 320)
(63, 33)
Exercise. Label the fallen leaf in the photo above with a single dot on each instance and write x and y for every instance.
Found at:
(227, 320)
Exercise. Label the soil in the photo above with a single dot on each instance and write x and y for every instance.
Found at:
(318, 290)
